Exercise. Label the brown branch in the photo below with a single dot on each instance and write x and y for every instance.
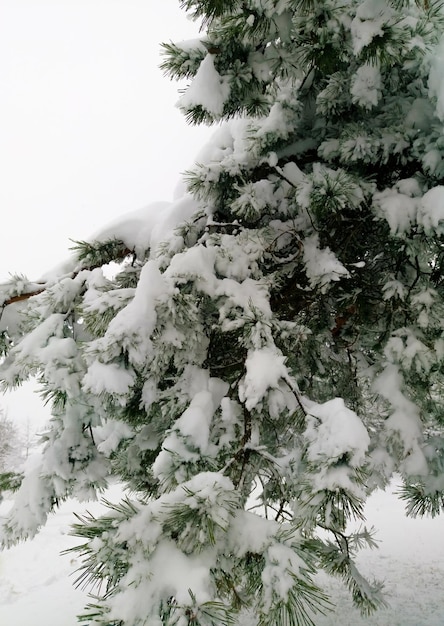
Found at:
(23, 296)
(35, 292)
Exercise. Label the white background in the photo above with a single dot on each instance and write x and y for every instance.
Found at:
(88, 124)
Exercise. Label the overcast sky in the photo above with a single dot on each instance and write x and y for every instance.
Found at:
(88, 125)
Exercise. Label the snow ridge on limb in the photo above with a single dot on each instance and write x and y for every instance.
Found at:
(135, 233)
(271, 350)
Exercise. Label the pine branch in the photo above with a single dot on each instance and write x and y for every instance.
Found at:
(90, 256)
(10, 481)
(22, 296)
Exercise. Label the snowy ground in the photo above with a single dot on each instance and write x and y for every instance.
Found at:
(36, 586)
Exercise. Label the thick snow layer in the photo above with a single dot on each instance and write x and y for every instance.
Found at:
(321, 265)
(146, 228)
(264, 369)
(108, 377)
(36, 583)
(399, 209)
(334, 430)
(195, 422)
(208, 89)
(366, 86)
(141, 230)
(133, 325)
(370, 19)
(436, 79)
(431, 210)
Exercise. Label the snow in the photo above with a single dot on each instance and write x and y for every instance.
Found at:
(184, 572)
(142, 231)
(250, 295)
(36, 582)
(333, 430)
(195, 263)
(254, 196)
(371, 16)
(251, 533)
(322, 266)
(292, 173)
(134, 228)
(146, 228)
(404, 424)
(366, 86)
(108, 377)
(32, 500)
(420, 115)
(436, 79)
(398, 209)
(229, 149)
(402, 208)
(404, 347)
(265, 368)
(431, 210)
(109, 435)
(282, 566)
(131, 330)
(188, 45)
(237, 256)
(191, 431)
(410, 563)
(195, 422)
(208, 89)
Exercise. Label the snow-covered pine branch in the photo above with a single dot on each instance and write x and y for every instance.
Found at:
(269, 347)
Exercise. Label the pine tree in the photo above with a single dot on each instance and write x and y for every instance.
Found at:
(270, 349)
(11, 454)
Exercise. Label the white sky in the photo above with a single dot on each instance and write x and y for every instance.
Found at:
(88, 126)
